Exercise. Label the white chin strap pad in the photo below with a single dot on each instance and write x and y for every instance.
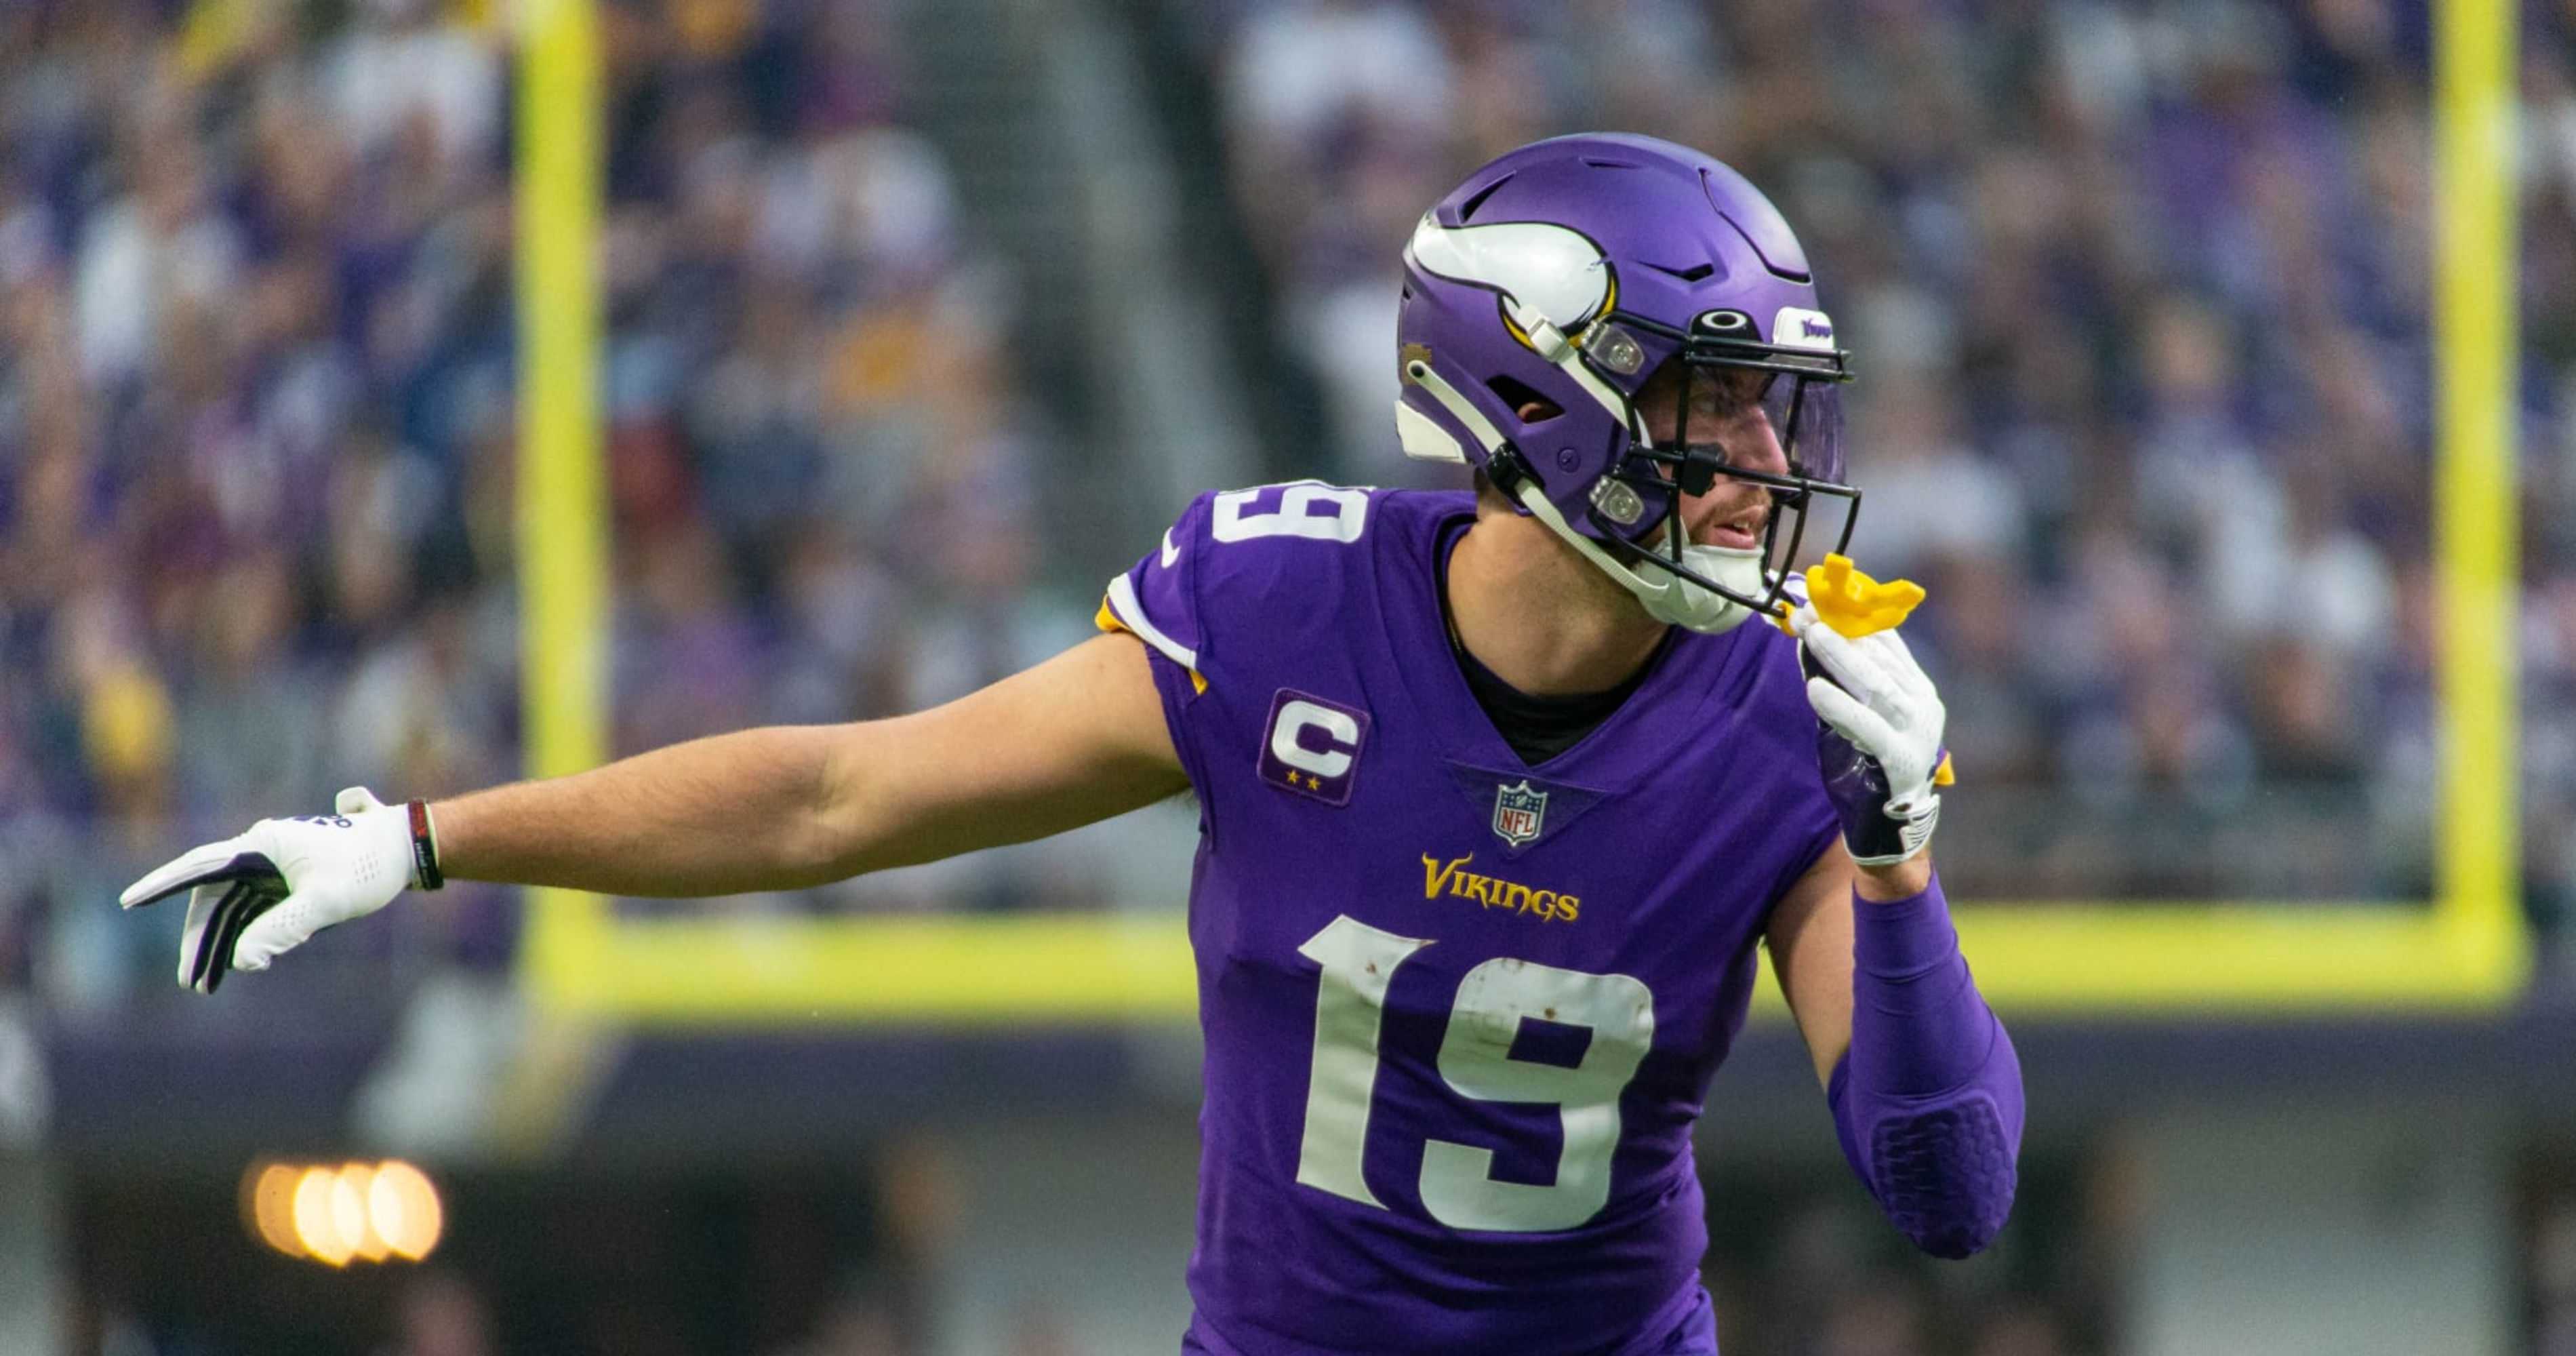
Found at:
(1669, 597)
(1689, 604)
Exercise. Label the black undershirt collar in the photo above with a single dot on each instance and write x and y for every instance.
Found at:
(1537, 727)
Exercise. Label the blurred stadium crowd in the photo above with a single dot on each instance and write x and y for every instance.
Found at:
(2139, 293)
(256, 411)
(2138, 290)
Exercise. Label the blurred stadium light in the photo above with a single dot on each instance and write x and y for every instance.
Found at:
(339, 1213)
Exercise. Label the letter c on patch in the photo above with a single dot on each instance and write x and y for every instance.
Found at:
(1341, 734)
(1312, 746)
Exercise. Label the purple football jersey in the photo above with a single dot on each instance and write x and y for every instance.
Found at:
(1460, 1011)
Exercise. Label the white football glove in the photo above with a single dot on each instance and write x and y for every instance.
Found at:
(260, 894)
(1880, 750)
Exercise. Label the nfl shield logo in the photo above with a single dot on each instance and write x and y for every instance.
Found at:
(1519, 813)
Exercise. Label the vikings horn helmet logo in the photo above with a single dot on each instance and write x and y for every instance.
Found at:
(1545, 292)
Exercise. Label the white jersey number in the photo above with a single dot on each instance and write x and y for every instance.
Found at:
(1345, 513)
(1458, 1186)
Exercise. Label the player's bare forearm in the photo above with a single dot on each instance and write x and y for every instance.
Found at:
(723, 815)
(1077, 739)
(1887, 884)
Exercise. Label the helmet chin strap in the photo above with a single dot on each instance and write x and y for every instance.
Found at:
(1674, 599)
(1671, 599)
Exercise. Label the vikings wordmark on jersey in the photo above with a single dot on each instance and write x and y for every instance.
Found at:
(1459, 1020)
(1452, 879)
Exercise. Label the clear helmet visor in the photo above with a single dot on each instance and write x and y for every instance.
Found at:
(1773, 421)
(1808, 412)
(1800, 402)
(1814, 511)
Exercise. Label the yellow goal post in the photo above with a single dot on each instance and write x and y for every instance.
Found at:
(2463, 951)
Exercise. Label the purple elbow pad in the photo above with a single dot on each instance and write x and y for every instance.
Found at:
(1928, 1103)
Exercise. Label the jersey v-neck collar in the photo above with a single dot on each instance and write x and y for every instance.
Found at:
(1412, 573)
(1538, 728)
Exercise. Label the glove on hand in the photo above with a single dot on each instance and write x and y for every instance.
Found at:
(257, 895)
(1880, 741)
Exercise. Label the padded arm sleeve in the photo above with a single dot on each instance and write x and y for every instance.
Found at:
(1929, 1100)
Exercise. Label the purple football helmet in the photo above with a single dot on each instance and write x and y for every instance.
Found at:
(1560, 278)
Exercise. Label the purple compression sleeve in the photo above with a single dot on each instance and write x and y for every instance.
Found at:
(1929, 1102)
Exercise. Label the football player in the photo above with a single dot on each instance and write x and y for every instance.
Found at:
(1501, 794)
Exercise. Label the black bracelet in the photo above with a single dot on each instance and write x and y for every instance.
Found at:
(424, 849)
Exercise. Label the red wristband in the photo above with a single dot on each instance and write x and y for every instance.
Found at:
(424, 849)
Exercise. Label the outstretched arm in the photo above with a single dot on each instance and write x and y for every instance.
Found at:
(1076, 739)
